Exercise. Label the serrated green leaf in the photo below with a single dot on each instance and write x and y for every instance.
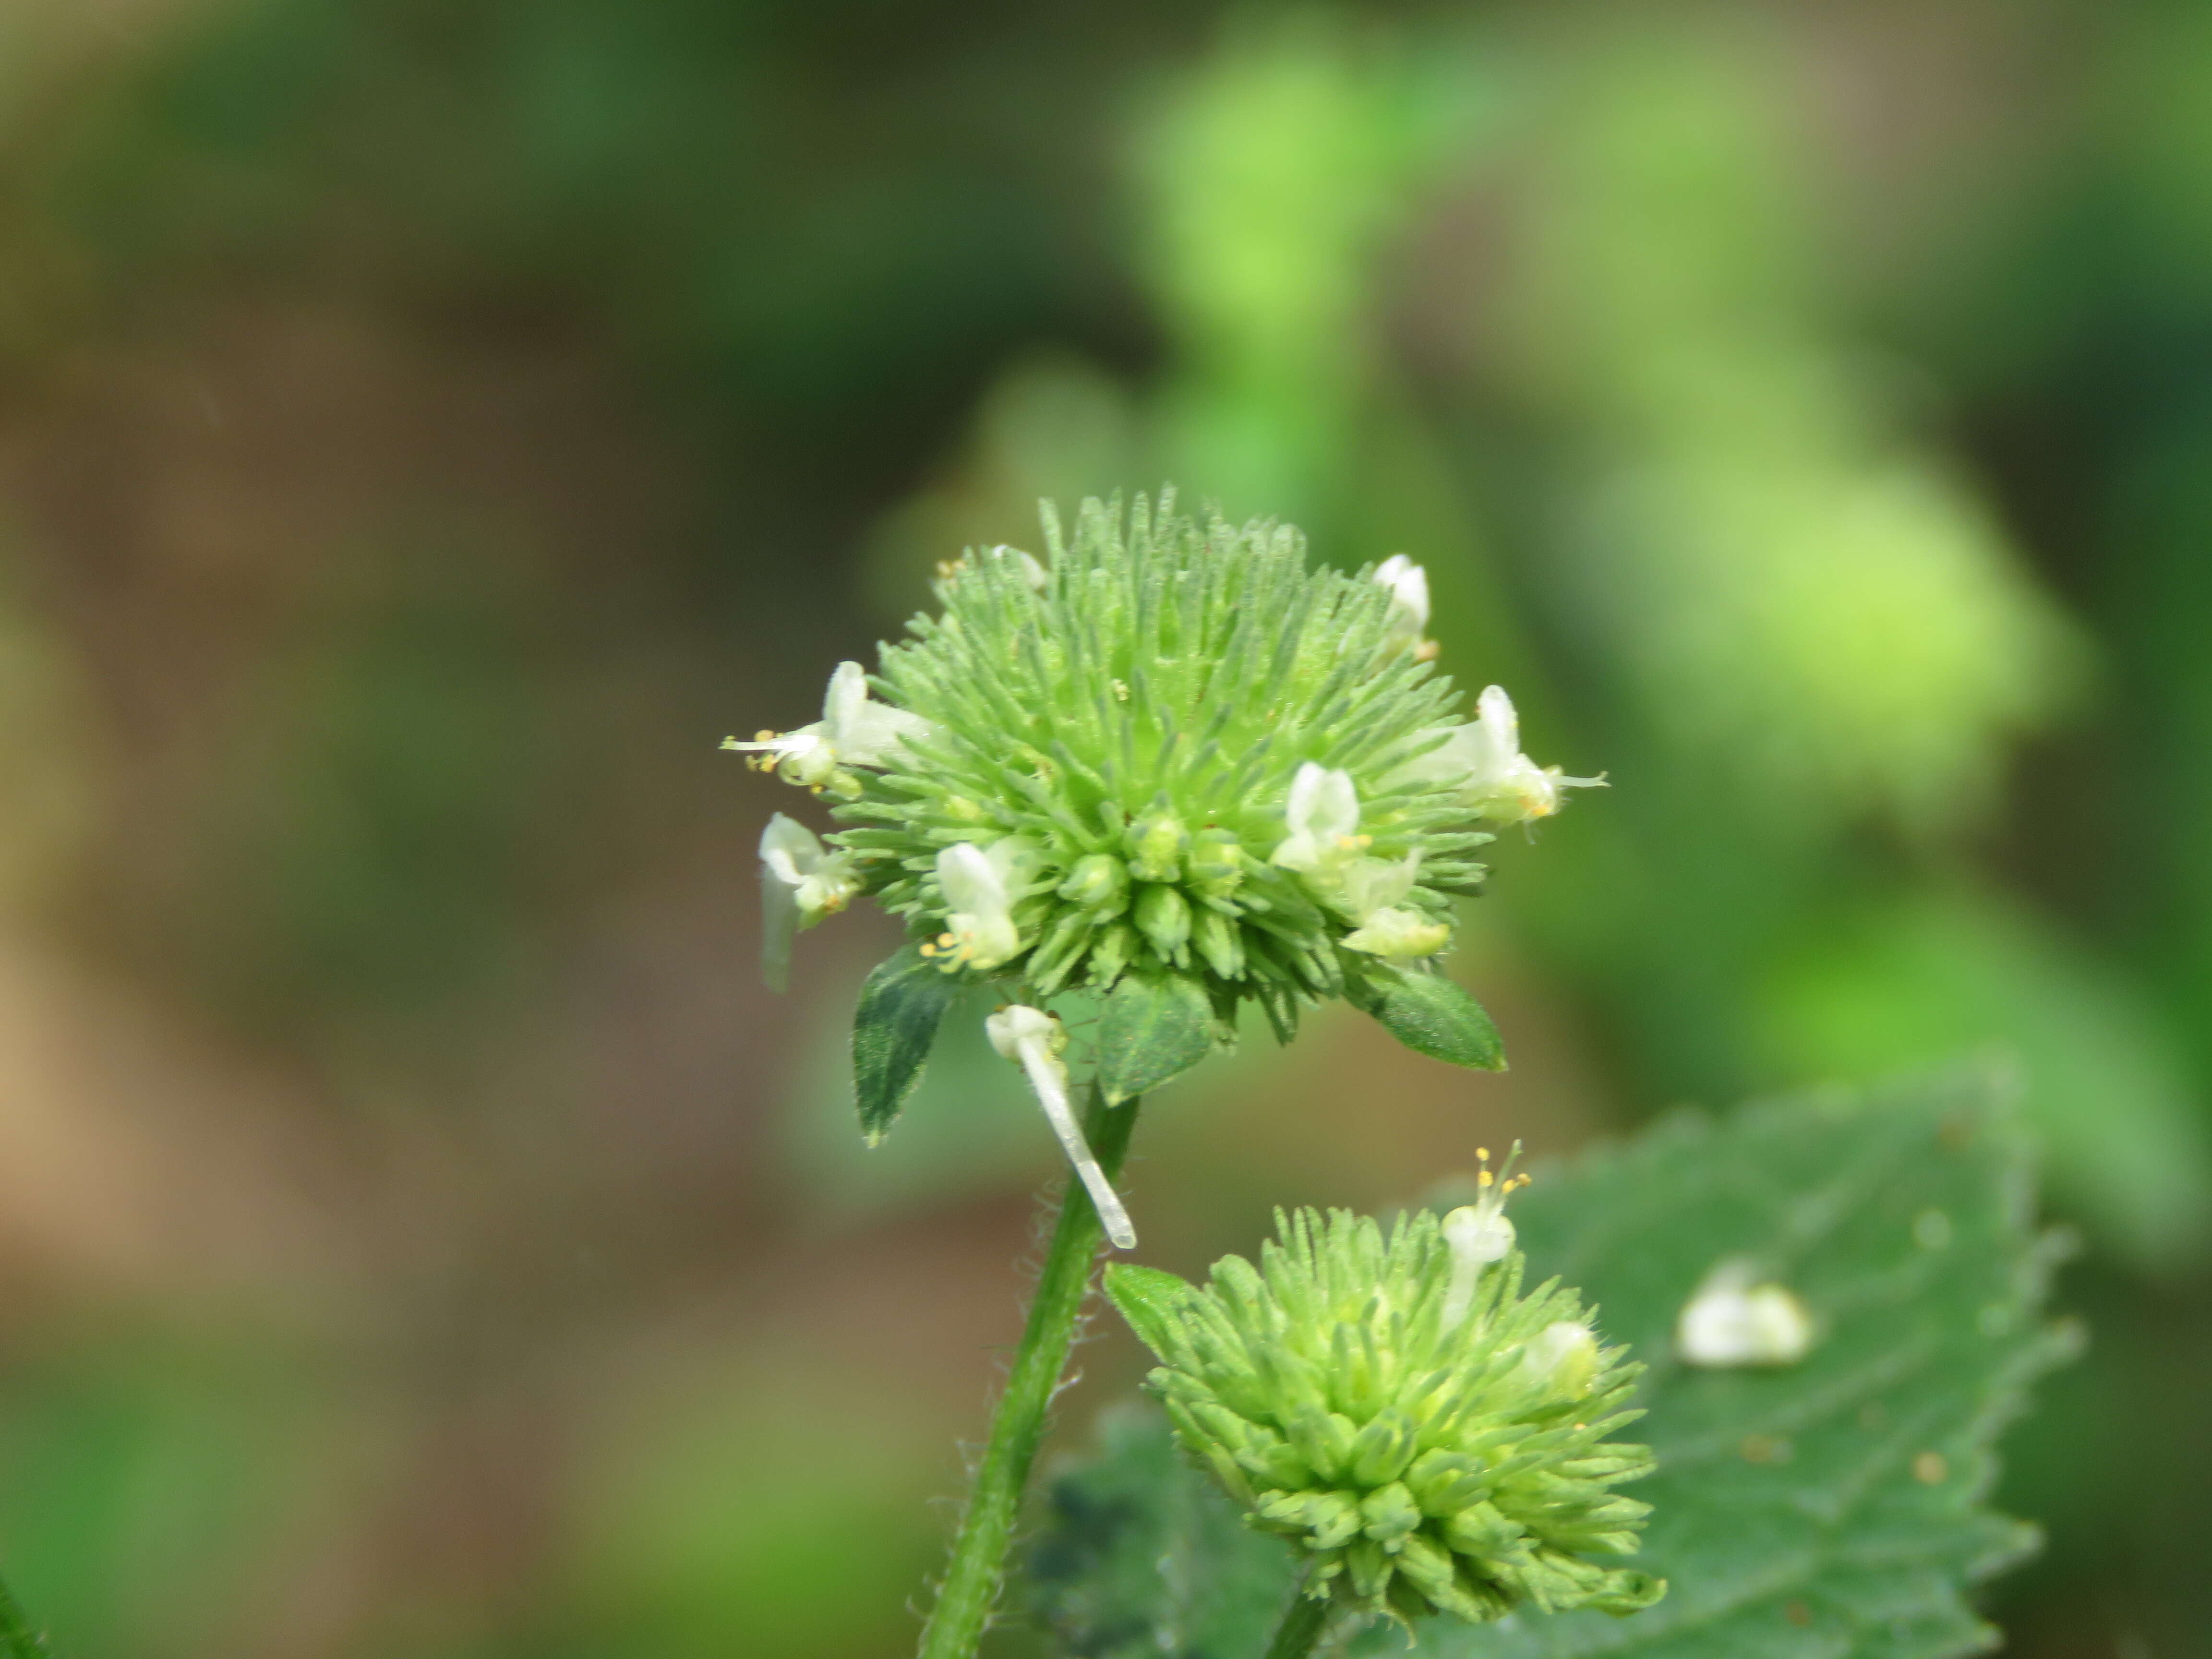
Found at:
(902, 1006)
(1432, 1015)
(1829, 1509)
(1147, 1298)
(1152, 1028)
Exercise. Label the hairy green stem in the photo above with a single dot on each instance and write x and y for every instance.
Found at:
(1303, 1621)
(971, 1584)
(17, 1639)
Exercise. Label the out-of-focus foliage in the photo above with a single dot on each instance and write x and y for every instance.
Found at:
(426, 427)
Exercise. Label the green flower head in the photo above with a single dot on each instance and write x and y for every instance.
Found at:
(1428, 1437)
(1167, 765)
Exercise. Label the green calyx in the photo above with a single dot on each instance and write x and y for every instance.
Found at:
(1433, 1441)
(1116, 731)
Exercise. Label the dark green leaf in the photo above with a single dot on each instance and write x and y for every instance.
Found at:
(1431, 1016)
(1152, 1028)
(1143, 1558)
(1147, 1298)
(1830, 1510)
(900, 1006)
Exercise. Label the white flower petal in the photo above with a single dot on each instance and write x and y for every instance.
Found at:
(1562, 1357)
(1730, 1321)
(1373, 884)
(1323, 818)
(1033, 1038)
(1409, 595)
(859, 731)
(1483, 760)
(789, 853)
(979, 901)
(801, 882)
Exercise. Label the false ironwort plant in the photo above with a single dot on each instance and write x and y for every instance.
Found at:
(1169, 770)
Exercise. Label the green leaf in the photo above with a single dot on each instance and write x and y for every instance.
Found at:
(1153, 1028)
(1147, 1298)
(1145, 1558)
(900, 1006)
(1830, 1510)
(1432, 1015)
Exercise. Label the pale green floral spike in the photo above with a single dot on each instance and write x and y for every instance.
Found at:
(1423, 1460)
(1483, 760)
(801, 882)
(1033, 1039)
(1220, 765)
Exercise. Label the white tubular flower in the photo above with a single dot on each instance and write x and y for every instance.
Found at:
(1033, 1039)
(1483, 759)
(981, 887)
(855, 730)
(1409, 600)
(801, 882)
(1479, 1233)
(1561, 1359)
(1732, 1321)
(1322, 816)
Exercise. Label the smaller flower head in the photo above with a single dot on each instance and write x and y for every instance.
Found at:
(1732, 1320)
(801, 882)
(1033, 1039)
(1422, 1459)
(1409, 602)
(855, 730)
(1483, 760)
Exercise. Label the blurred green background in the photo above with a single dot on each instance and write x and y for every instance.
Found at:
(428, 426)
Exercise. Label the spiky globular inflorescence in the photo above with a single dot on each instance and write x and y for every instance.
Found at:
(1171, 749)
(1430, 1439)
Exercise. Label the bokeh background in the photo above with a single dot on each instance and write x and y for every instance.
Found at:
(428, 426)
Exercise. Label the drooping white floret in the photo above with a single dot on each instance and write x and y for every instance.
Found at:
(1033, 1039)
(801, 882)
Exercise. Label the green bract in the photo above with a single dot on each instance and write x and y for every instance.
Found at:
(1168, 763)
(1432, 1441)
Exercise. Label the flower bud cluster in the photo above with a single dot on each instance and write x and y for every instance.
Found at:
(1168, 748)
(1431, 1440)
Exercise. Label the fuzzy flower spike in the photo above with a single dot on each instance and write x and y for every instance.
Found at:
(1173, 768)
(1430, 1439)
